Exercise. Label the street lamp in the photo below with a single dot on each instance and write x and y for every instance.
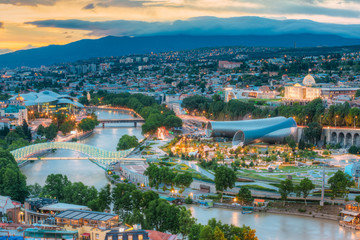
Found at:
(306, 119)
(355, 121)
(321, 116)
(336, 119)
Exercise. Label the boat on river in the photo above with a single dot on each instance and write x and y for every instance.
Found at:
(247, 210)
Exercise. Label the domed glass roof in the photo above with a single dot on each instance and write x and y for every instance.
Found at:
(309, 80)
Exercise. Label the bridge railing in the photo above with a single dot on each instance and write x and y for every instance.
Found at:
(91, 151)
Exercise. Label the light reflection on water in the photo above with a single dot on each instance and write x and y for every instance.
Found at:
(268, 226)
(82, 170)
(278, 227)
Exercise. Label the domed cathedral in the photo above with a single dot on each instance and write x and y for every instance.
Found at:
(309, 80)
(302, 93)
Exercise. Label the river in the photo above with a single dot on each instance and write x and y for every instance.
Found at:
(268, 226)
(83, 170)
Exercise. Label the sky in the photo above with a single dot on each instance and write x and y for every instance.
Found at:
(26, 24)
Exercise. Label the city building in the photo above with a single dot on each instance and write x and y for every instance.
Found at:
(43, 210)
(125, 232)
(90, 225)
(10, 210)
(229, 65)
(269, 130)
(46, 234)
(262, 93)
(48, 102)
(302, 92)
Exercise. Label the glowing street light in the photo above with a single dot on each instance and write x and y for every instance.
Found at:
(355, 121)
(336, 119)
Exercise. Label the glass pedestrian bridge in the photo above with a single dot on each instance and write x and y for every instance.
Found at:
(98, 155)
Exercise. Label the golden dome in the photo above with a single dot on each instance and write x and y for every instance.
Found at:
(19, 98)
(309, 80)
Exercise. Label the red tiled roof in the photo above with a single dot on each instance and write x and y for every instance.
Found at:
(155, 235)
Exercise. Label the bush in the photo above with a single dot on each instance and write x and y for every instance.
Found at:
(302, 210)
(188, 200)
(354, 150)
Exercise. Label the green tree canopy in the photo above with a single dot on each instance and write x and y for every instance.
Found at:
(285, 188)
(127, 142)
(339, 184)
(224, 178)
(304, 188)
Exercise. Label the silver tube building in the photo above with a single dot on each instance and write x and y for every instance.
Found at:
(269, 130)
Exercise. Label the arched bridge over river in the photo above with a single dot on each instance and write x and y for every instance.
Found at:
(98, 155)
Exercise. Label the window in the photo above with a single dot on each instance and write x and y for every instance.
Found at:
(120, 237)
(97, 236)
(109, 238)
(130, 237)
(140, 237)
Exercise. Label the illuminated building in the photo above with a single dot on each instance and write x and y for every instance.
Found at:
(269, 130)
(48, 102)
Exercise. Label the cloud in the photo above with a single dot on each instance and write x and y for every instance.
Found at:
(5, 50)
(204, 26)
(29, 2)
(29, 46)
(90, 6)
(280, 7)
(129, 3)
(1, 25)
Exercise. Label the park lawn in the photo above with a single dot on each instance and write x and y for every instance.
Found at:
(258, 187)
(258, 177)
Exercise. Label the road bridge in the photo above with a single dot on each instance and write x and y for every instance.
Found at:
(128, 120)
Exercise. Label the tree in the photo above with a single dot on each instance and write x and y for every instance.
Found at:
(313, 132)
(12, 181)
(218, 234)
(357, 199)
(244, 194)
(224, 178)
(162, 216)
(357, 93)
(26, 130)
(153, 172)
(183, 180)
(172, 121)
(195, 231)
(305, 188)
(285, 188)
(35, 190)
(186, 221)
(206, 233)
(121, 195)
(41, 130)
(67, 127)
(104, 198)
(18, 144)
(292, 144)
(127, 142)
(88, 124)
(302, 144)
(51, 132)
(13, 184)
(354, 150)
(55, 185)
(339, 184)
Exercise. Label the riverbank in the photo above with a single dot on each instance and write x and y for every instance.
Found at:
(115, 108)
(328, 212)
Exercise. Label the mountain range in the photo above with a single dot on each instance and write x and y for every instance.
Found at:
(120, 46)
